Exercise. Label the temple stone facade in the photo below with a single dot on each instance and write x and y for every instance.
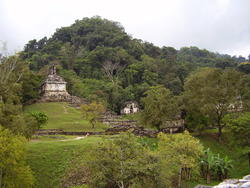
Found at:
(130, 108)
(54, 87)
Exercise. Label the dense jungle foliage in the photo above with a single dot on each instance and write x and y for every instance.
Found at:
(101, 62)
(108, 67)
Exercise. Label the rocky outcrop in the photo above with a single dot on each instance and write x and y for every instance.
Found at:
(231, 183)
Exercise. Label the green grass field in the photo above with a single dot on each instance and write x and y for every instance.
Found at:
(240, 163)
(63, 116)
(50, 158)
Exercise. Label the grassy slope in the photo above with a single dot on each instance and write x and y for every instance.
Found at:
(240, 163)
(63, 116)
(50, 159)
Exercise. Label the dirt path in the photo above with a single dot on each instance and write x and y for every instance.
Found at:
(77, 138)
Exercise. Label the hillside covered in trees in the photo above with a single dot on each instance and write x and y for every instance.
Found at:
(208, 91)
(100, 61)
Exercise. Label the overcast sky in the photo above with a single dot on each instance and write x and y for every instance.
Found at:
(218, 25)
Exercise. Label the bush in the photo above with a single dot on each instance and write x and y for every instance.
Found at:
(14, 173)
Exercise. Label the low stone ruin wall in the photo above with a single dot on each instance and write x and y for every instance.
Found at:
(139, 131)
(72, 100)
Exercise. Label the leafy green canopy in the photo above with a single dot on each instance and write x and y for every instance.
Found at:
(92, 112)
(213, 93)
(239, 126)
(159, 106)
(124, 161)
(40, 117)
(14, 173)
(17, 85)
(96, 50)
(180, 154)
(213, 165)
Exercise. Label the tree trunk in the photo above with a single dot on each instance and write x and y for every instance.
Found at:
(92, 122)
(208, 177)
(219, 133)
(179, 177)
(121, 184)
(220, 175)
(1, 174)
(248, 159)
(225, 175)
(189, 173)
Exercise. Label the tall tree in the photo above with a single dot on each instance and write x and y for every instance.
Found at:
(211, 92)
(11, 72)
(123, 162)
(112, 70)
(159, 106)
(92, 112)
(179, 154)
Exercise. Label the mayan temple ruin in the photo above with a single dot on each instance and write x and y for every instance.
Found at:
(54, 87)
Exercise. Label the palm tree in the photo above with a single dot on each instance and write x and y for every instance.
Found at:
(208, 164)
(225, 166)
(213, 164)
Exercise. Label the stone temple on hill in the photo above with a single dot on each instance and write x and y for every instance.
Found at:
(54, 87)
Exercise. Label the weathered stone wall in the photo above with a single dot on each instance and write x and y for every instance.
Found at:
(55, 97)
(56, 94)
(72, 100)
(54, 87)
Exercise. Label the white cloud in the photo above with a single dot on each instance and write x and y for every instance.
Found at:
(218, 25)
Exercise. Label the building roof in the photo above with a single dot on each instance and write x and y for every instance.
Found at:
(53, 77)
(129, 103)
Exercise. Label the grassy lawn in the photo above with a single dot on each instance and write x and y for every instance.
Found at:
(50, 159)
(63, 116)
(240, 162)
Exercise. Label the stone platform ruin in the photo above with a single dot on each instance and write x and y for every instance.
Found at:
(53, 89)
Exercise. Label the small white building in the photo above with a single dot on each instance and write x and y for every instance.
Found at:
(130, 107)
(54, 85)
